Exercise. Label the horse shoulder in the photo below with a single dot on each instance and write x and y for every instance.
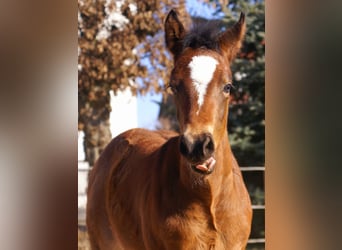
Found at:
(131, 163)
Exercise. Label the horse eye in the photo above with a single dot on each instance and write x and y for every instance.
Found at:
(227, 87)
(171, 90)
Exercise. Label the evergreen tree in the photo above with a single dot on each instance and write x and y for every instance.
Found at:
(247, 109)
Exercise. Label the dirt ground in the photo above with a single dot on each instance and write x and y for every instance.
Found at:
(83, 242)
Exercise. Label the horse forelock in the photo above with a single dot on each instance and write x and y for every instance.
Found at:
(203, 34)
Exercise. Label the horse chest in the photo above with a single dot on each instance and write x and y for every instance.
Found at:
(191, 229)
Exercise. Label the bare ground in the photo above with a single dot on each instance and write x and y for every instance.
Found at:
(83, 242)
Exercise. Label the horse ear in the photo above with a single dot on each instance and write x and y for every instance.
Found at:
(231, 40)
(174, 33)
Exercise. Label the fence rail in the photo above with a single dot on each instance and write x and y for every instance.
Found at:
(252, 169)
(255, 241)
(81, 216)
(255, 207)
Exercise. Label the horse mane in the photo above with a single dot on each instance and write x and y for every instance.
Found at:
(203, 33)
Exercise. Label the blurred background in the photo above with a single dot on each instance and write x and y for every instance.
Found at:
(123, 66)
(40, 65)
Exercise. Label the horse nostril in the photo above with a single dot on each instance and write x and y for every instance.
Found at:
(184, 146)
(196, 149)
(208, 146)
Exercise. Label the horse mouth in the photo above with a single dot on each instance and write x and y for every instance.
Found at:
(206, 167)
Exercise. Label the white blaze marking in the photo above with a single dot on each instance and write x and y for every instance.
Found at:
(202, 69)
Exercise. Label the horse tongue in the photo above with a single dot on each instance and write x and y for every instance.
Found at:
(202, 167)
(207, 166)
(211, 163)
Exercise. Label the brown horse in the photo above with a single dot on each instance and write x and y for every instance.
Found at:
(155, 190)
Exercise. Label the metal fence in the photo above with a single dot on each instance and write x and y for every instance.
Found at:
(254, 177)
(256, 241)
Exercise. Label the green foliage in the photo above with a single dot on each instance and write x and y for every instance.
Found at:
(257, 195)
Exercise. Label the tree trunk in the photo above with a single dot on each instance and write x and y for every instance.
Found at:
(94, 120)
(95, 140)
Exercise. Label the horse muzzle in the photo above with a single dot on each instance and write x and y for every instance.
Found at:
(198, 151)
